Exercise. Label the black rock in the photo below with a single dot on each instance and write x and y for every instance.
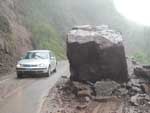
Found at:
(96, 53)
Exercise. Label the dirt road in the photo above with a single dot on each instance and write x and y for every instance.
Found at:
(26, 95)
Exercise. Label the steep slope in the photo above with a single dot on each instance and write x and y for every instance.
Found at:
(44, 33)
(14, 38)
(61, 15)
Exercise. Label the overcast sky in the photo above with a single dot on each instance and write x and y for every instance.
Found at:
(135, 10)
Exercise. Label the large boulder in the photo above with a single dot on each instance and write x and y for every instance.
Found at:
(96, 53)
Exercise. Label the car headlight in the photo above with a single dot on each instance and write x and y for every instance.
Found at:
(42, 65)
(18, 65)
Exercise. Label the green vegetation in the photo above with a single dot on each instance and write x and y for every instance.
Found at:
(141, 57)
(50, 20)
(44, 33)
(45, 37)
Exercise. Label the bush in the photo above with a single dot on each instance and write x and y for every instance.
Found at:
(45, 37)
(141, 57)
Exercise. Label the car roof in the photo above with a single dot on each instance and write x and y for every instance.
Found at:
(39, 51)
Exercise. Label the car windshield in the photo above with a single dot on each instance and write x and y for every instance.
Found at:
(36, 55)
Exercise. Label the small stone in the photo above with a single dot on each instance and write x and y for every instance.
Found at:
(145, 88)
(123, 91)
(105, 98)
(80, 107)
(135, 82)
(64, 77)
(139, 99)
(148, 102)
(83, 93)
(134, 62)
(82, 89)
(146, 97)
(1, 64)
(133, 100)
(137, 89)
(81, 86)
(87, 99)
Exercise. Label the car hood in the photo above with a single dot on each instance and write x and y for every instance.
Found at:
(33, 61)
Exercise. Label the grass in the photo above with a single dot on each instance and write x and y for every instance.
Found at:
(46, 37)
(141, 57)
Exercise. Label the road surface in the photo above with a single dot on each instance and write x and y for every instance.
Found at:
(27, 95)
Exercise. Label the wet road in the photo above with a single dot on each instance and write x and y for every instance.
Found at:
(27, 95)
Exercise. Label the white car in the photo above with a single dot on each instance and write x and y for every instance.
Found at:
(37, 62)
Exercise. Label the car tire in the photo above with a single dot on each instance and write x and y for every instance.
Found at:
(55, 70)
(19, 75)
(49, 72)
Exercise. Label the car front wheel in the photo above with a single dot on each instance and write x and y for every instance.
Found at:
(55, 70)
(49, 72)
(19, 75)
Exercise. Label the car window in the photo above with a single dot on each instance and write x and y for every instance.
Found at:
(36, 55)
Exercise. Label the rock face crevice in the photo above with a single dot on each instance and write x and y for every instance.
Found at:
(96, 53)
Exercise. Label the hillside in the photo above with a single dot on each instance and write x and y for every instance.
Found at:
(60, 16)
(15, 39)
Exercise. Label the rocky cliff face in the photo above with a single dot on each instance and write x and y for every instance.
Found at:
(14, 37)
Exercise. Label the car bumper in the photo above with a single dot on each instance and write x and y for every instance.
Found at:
(32, 71)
